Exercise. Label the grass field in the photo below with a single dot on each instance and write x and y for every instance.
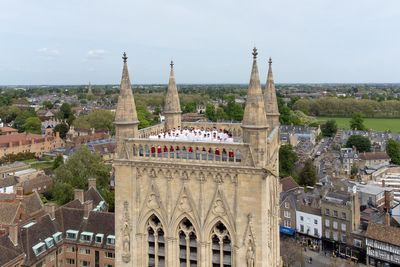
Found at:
(376, 124)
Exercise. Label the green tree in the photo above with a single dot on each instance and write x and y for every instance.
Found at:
(361, 143)
(287, 160)
(189, 107)
(62, 128)
(98, 119)
(234, 111)
(393, 151)
(62, 192)
(354, 170)
(58, 161)
(210, 112)
(357, 122)
(47, 104)
(308, 175)
(32, 125)
(329, 128)
(144, 116)
(21, 119)
(81, 166)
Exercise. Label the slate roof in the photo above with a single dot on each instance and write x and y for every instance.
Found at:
(38, 232)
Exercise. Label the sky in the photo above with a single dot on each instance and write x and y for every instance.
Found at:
(210, 41)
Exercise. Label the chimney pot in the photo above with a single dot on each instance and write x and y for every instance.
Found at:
(79, 194)
(87, 206)
(92, 183)
(50, 208)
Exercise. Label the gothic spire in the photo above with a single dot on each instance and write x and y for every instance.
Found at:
(271, 103)
(126, 108)
(172, 104)
(172, 107)
(254, 112)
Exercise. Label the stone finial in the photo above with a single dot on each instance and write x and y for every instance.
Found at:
(124, 57)
(255, 53)
(270, 100)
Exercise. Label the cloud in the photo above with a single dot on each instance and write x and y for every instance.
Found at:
(49, 53)
(95, 54)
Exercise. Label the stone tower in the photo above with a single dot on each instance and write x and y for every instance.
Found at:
(271, 103)
(198, 203)
(172, 108)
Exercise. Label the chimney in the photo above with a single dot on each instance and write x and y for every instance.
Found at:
(87, 207)
(78, 194)
(383, 183)
(50, 208)
(92, 182)
(19, 194)
(13, 234)
(387, 207)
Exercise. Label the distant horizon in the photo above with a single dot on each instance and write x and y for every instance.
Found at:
(166, 84)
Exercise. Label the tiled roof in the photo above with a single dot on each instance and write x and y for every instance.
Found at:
(373, 156)
(7, 212)
(9, 252)
(288, 183)
(384, 233)
(94, 195)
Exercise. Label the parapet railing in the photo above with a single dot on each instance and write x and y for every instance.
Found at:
(193, 152)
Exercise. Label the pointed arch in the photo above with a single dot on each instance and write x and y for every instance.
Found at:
(188, 243)
(221, 245)
(156, 252)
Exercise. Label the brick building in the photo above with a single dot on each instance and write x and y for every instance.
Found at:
(15, 143)
(80, 233)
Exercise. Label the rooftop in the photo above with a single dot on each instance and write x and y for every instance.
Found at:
(383, 233)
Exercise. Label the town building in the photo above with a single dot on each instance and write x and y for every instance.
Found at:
(373, 160)
(79, 233)
(383, 245)
(77, 136)
(309, 225)
(375, 196)
(340, 217)
(15, 143)
(197, 203)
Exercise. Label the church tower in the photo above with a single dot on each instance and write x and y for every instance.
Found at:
(172, 107)
(271, 103)
(196, 202)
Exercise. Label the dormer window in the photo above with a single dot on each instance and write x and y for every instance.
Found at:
(86, 236)
(111, 240)
(72, 234)
(99, 238)
(49, 242)
(57, 237)
(39, 248)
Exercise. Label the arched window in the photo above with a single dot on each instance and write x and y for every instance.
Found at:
(221, 246)
(156, 243)
(187, 244)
